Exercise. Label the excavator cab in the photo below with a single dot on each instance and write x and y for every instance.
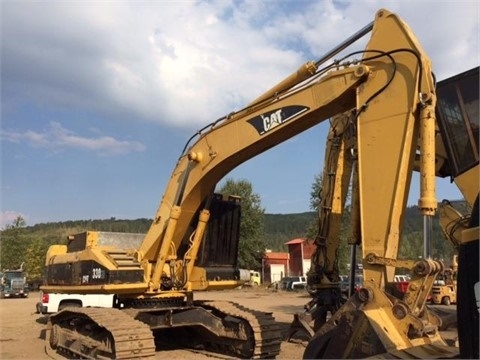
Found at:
(458, 117)
(458, 121)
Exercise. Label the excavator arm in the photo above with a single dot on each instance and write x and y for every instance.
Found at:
(236, 140)
(390, 91)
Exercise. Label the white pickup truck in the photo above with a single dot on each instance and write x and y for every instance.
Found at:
(54, 302)
(293, 283)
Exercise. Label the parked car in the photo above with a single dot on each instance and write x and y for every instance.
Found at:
(345, 283)
(401, 278)
(293, 283)
(299, 283)
(284, 283)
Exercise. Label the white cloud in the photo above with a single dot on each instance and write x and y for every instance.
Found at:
(187, 63)
(57, 137)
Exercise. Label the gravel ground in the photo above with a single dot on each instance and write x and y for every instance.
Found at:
(22, 329)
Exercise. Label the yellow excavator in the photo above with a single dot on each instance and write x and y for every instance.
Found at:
(397, 325)
(389, 93)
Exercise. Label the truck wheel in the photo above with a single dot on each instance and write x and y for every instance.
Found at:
(446, 301)
(54, 336)
(68, 304)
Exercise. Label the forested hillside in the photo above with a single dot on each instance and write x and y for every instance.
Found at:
(28, 244)
(280, 228)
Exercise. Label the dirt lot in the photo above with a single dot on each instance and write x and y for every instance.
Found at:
(21, 335)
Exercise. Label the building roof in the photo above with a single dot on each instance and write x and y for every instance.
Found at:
(295, 241)
(277, 256)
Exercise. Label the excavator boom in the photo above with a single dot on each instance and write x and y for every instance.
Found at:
(397, 69)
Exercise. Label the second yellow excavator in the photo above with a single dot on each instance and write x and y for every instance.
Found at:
(378, 319)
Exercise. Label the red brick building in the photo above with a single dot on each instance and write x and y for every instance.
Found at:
(296, 261)
(274, 266)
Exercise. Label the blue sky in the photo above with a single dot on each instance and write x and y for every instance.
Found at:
(99, 98)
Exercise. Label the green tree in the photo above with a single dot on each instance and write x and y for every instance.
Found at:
(316, 192)
(17, 223)
(280, 228)
(14, 243)
(252, 242)
(35, 258)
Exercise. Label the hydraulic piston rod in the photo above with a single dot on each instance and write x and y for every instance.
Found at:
(427, 202)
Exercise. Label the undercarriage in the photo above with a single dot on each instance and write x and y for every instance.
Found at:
(221, 327)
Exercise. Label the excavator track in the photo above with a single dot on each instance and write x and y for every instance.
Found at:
(426, 351)
(263, 335)
(93, 333)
